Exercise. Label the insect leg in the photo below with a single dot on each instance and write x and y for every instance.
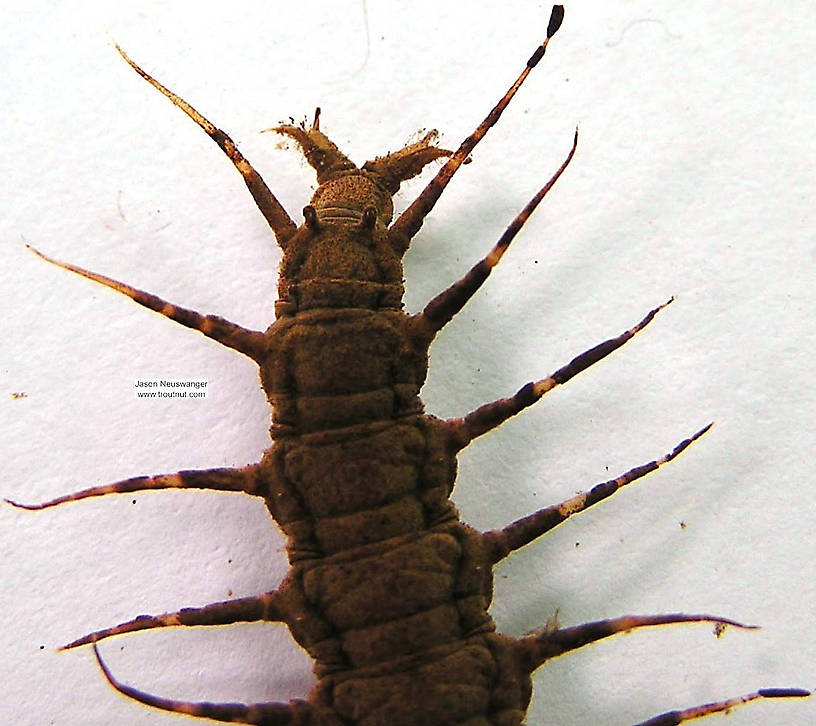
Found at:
(539, 647)
(409, 222)
(231, 335)
(244, 480)
(280, 222)
(672, 718)
(294, 713)
(264, 607)
(523, 531)
(490, 415)
(439, 311)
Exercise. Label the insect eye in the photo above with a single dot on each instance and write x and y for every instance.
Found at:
(369, 218)
(310, 217)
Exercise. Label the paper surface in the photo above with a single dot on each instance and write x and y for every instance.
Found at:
(693, 178)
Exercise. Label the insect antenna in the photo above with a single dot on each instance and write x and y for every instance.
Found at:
(277, 217)
(672, 718)
(409, 222)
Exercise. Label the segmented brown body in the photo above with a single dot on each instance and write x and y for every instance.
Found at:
(388, 591)
(387, 587)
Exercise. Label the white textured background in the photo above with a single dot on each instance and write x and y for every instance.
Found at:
(694, 178)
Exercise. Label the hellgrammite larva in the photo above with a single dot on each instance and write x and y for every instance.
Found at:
(388, 590)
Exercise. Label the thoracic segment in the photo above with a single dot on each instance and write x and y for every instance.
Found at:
(388, 590)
